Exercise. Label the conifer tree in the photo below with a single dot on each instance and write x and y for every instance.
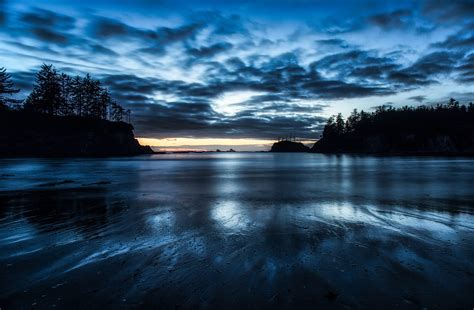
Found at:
(6, 89)
(46, 94)
(67, 90)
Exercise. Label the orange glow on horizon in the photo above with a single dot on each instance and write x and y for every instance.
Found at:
(203, 143)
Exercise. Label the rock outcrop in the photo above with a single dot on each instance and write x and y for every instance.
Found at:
(289, 146)
(39, 135)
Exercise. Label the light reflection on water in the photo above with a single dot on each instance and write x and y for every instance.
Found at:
(238, 229)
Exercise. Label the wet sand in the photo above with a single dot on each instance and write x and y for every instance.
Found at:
(237, 231)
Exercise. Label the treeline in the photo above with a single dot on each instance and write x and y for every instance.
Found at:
(449, 117)
(57, 93)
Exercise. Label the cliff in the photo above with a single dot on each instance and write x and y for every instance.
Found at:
(40, 135)
(289, 146)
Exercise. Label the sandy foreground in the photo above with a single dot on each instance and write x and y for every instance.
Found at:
(237, 231)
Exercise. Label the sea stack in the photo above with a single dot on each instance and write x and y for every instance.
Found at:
(289, 146)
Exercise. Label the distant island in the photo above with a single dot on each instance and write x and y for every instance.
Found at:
(64, 117)
(285, 146)
(446, 129)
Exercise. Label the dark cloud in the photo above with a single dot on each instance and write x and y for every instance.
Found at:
(166, 35)
(449, 10)
(435, 63)
(419, 98)
(45, 19)
(106, 28)
(333, 43)
(209, 51)
(335, 89)
(53, 30)
(96, 48)
(461, 40)
(3, 14)
(465, 69)
(43, 25)
(363, 65)
(48, 35)
(426, 70)
(392, 20)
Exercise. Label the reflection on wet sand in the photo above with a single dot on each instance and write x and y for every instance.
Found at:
(239, 231)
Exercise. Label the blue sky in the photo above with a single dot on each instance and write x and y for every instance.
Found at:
(247, 69)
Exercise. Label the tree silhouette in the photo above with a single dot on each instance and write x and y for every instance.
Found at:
(67, 92)
(6, 89)
(340, 124)
(330, 128)
(46, 94)
(90, 91)
(60, 94)
(78, 96)
(405, 128)
(352, 121)
(117, 112)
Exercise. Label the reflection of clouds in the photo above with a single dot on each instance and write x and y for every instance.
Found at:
(162, 221)
(345, 211)
(438, 224)
(229, 214)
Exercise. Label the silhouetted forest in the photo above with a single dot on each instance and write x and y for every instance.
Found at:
(56, 93)
(64, 116)
(441, 128)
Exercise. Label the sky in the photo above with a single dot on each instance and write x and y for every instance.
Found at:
(213, 74)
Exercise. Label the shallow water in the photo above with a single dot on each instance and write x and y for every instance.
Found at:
(237, 230)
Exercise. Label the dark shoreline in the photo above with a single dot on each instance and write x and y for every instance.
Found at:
(402, 154)
(28, 134)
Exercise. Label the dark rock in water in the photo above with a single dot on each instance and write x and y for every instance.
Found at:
(289, 146)
(41, 135)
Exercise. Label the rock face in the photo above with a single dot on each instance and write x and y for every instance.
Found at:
(39, 135)
(289, 146)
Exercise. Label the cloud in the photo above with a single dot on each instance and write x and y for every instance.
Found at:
(107, 28)
(48, 20)
(449, 11)
(365, 66)
(209, 51)
(220, 24)
(48, 35)
(461, 40)
(3, 14)
(465, 69)
(333, 43)
(392, 20)
(419, 98)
